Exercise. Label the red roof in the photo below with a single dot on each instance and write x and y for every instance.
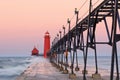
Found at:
(47, 32)
(35, 50)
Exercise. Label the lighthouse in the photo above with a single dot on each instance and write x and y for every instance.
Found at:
(35, 52)
(46, 43)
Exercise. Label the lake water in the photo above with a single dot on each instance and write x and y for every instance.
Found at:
(11, 67)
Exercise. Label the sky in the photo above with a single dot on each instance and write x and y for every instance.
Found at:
(23, 23)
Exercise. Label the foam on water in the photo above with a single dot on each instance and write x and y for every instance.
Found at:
(10, 67)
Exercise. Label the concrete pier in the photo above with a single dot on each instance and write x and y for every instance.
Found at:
(44, 70)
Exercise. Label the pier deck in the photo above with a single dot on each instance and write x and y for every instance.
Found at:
(45, 71)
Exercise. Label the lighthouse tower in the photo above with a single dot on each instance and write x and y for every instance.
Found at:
(46, 44)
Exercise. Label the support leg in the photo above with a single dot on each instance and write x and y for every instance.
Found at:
(72, 75)
(117, 65)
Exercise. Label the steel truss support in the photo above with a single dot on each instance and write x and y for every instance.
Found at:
(91, 42)
(114, 42)
(72, 54)
(58, 56)
(82, 48)
(88, 35)
(118, 20)
(69, 40)
(108, 33)
(74, 39)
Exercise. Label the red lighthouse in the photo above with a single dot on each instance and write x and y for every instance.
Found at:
(46, 44)
(35, 52)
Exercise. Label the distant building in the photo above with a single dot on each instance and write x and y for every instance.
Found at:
(35, 52)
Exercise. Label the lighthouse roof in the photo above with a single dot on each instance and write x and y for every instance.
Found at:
(47, 32)
(35, 50)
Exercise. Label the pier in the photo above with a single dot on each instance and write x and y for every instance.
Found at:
(82, 36)
(76, 39)
(44, 70)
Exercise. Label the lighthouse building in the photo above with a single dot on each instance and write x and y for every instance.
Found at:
(35, 52)
(46, 43)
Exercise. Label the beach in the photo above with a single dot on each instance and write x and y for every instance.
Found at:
(44, 70)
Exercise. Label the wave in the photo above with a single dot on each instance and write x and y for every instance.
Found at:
(9, 71)
(15, 66)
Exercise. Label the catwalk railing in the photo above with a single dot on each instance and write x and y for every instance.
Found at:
(74, 39)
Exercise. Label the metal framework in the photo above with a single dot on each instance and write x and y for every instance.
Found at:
(74, 39)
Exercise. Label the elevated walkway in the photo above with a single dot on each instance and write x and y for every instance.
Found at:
(101, 12)
(84, 33)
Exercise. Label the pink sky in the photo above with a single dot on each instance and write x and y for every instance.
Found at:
(24, 22)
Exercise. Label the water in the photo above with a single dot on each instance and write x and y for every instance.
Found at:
(11, 67)
(104, 62)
